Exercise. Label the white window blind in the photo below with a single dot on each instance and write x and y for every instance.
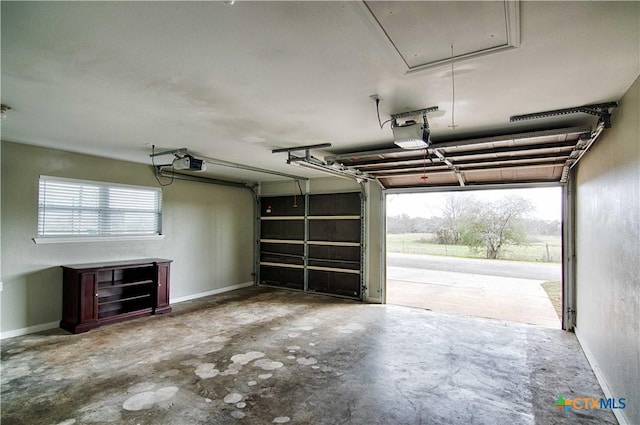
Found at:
(81, 208)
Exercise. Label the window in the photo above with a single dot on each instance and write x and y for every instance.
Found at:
(69, 208)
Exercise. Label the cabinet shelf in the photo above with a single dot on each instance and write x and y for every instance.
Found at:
(122, 284)
(118, 299)
(100, 293)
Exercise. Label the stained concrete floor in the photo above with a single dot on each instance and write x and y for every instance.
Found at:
(262, 355)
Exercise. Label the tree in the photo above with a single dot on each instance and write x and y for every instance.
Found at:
(454, 213)
(492, 225)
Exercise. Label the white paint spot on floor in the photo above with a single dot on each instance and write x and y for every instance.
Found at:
(293, 348)
(275, 328)
(350, 328)
(305, 362)
(140, 401)
(233, 369)
(68, 422)
(243, 359)
(238, 414)
(312, 344)
(265, 376)
(207, 370)
(241, 405)
(146, 399)
(293, 334)
(232, 398)
(291, 357)
(166, 393)
(315, 367)
(252, 383)
(266, 364)
(281, 420)
(207, 400)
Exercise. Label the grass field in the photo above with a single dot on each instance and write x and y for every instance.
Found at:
(538, 249)
(554, 291)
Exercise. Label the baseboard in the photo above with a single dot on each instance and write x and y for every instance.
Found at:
(619, 414)
(30, 330)
(56, 324)
(208, 293)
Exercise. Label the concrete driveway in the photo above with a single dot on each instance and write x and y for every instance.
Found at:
(465, 293)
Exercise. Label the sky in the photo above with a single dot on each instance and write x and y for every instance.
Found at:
(546, 200)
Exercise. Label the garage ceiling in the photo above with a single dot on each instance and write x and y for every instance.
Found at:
(235, 81)
(422, 33)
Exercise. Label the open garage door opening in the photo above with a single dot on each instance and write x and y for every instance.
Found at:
(487, 253)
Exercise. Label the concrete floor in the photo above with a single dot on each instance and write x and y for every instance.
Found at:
(262, 355)
(468, 294)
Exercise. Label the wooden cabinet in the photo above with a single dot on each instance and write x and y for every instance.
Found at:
(99, 293)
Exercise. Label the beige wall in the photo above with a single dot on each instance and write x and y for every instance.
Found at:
(608, 255)
(208, 234)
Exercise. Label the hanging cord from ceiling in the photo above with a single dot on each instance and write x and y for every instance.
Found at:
(156, 169)
(424, 167)
(377, 99)
(295, 195)
(426, 136)
(453, 95)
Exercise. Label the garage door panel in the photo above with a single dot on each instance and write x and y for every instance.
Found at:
(346, 253)
(273, 206)
(282, 229)
(343, 284)
(335, 231)
(334, 204)
(348, 265)
(282, 277)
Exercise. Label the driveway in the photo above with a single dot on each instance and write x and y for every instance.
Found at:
(519, 269)
(473, 288)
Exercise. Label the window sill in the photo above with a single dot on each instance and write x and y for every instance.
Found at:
(39, 241)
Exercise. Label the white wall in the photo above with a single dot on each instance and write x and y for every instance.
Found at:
(208, 228)
(608, 256)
